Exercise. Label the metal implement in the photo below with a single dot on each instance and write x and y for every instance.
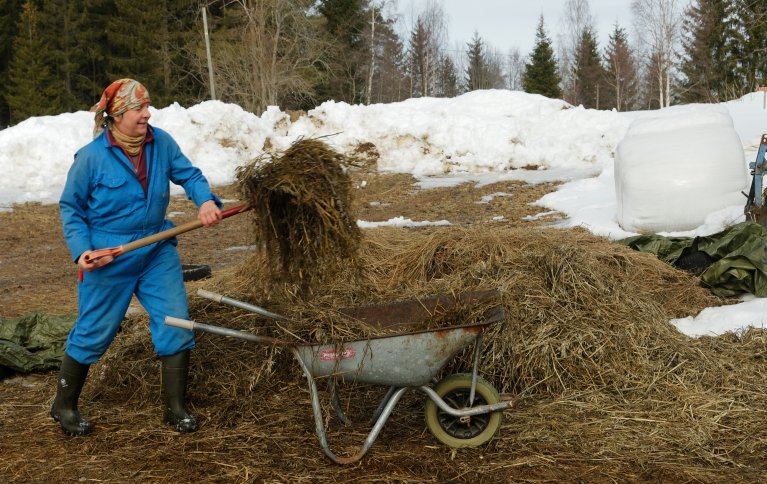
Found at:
(165, 234)
(239, 304)
(462, 410)
(755, 205)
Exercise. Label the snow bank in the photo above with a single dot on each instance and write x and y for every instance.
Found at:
(676, 166)
(491, 131)
(216, 136)
(36, 154)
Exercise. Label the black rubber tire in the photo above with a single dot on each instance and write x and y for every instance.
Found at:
(194, 272)
(472, 431)
(695, 262)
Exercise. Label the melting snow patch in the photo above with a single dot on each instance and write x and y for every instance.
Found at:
(398, 222)
(538, 216)
(240, 248)
(489, 198)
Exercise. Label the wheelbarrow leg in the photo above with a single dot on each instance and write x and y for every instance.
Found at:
(336, 402)
(334, 399)
(382, 405)
(474, 370)
(320, 426)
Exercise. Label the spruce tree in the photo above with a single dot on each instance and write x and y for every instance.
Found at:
(620, 73)
(183, 27)
(345, 21)
(708, 63)
(390, 83)
(541, 73)
(31, 90)
(447, 78)
(751, 48)
(10, 11)
(588, 74)
(132, 35)
(59, 23)
(477, 70)
(418, 60)
(90, 37)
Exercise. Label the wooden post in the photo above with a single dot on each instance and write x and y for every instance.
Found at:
(763, 89)
(207, 51)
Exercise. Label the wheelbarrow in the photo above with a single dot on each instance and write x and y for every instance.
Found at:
(462, 410)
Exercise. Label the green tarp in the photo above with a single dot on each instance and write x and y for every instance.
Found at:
(34, 342)
(736, 257)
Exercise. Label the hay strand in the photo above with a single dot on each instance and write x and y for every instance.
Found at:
(302, 200)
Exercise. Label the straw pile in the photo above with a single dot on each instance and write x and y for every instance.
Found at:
(587, 325)
(301, 200)
(607, 387)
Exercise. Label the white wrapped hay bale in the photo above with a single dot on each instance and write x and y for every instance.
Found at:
(675, 167)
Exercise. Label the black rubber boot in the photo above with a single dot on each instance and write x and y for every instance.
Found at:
(70, 384)
(175, 370)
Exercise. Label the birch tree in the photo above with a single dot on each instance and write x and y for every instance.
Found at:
(385, 79)
(372, 64)
(273, 58)
(658, 24)
(515, 68)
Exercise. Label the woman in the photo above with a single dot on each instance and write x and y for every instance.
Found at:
(117, 191)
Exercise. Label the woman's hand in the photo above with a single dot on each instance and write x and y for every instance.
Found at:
(210, 214)
(94, 264)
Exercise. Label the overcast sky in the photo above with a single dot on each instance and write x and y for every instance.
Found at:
(511, 23)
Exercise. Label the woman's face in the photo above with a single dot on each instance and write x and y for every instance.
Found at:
(133, 122)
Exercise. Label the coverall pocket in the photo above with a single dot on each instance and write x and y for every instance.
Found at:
(111, 181)
(110, 194)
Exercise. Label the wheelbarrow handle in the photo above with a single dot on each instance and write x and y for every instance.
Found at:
(165, 234)
(179, 323)
(222, 331)
(219, 298)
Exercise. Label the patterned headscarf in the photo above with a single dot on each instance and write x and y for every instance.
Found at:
(118, 97)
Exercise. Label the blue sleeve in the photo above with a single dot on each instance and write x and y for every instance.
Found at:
(183, 173)
(72, 205)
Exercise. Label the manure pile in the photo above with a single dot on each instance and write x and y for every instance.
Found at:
(606, 385)
(301, 201)
(586, 347)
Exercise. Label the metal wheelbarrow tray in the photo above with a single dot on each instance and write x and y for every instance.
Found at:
(462, 410)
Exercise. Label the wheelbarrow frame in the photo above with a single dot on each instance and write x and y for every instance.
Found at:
(329, 360)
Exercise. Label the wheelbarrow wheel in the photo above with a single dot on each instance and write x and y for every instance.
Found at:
(463, 431)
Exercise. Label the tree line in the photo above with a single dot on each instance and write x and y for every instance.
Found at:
(58, 55)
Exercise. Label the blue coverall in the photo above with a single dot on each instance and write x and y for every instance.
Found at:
(103, 205)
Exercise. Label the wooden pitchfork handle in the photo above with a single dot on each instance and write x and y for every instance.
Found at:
(165, 234)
